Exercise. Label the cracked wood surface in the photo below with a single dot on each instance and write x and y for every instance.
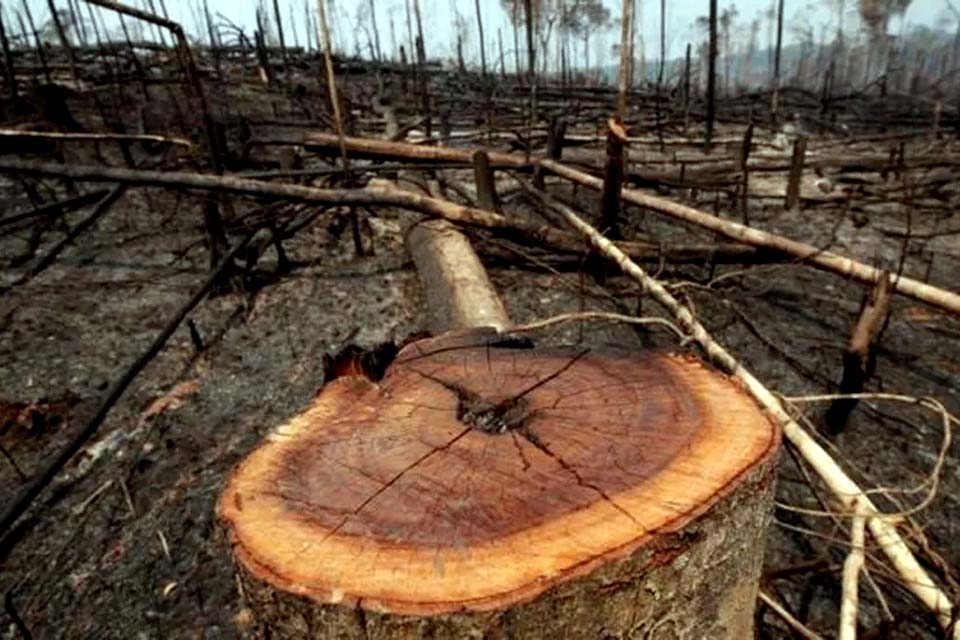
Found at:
(475, 477)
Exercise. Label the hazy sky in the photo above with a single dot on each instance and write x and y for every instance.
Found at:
(438, 18)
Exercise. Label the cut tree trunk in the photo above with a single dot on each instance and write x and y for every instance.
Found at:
(487, 488)
(859, 358)
(626, 495)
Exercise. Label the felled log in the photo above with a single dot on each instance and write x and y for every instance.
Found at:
(458, 291)
(487, 488)
(808, 254)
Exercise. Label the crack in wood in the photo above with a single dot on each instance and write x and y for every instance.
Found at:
(535, 440)
(393, 481)
(496, 418)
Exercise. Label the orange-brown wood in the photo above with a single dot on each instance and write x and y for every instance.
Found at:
(476, 476)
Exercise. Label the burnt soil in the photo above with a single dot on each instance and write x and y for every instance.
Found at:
(125, 544)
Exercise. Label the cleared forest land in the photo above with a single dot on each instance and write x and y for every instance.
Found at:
(188, 238)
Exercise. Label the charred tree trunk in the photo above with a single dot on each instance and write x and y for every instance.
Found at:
(775, 99)
(283, 44)
(487, 197)
(859, 358)
(792, 199)
(686, 89)
(64, 41)
(613, 179)
(626, 58)
(483, 46)
(9, 72)
(41, 47)
(514, 20)
(376, 31)
(712, 77)
(503, 63)
(660, 68)
(531, 61)
(422, 72)
(745, 148)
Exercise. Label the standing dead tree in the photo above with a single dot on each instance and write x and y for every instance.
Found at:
(483, 45)
(626, 58)
(531, 60)
(213, 220)
(775, 81)
(711, 77)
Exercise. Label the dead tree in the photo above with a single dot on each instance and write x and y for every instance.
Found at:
(213, 220)
(859, 358)
(283, 44)
(531, 61)
(686, 88)
(775, 97)
(794, 180)
(9, 72)
(711, 77)
(376, 31)
(487, 197)
(503, 64)
(613, 179)
(626, 58)
(64, 41)
(483, 46)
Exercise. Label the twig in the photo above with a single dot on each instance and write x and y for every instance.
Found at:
(933, 478)
(164, 545)
(80, 508)
(51, 256)
(126, 137)
(126, 496)
(787, 617)
(850, 597)
(15, 618)
(915, 577)
(597, 315)
(56, 208)
(21, 502)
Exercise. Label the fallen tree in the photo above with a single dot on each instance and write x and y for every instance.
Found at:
(805, 253)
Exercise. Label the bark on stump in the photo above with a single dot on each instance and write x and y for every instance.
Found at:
(483, 489)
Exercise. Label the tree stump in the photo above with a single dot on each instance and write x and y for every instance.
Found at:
(486, 489)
